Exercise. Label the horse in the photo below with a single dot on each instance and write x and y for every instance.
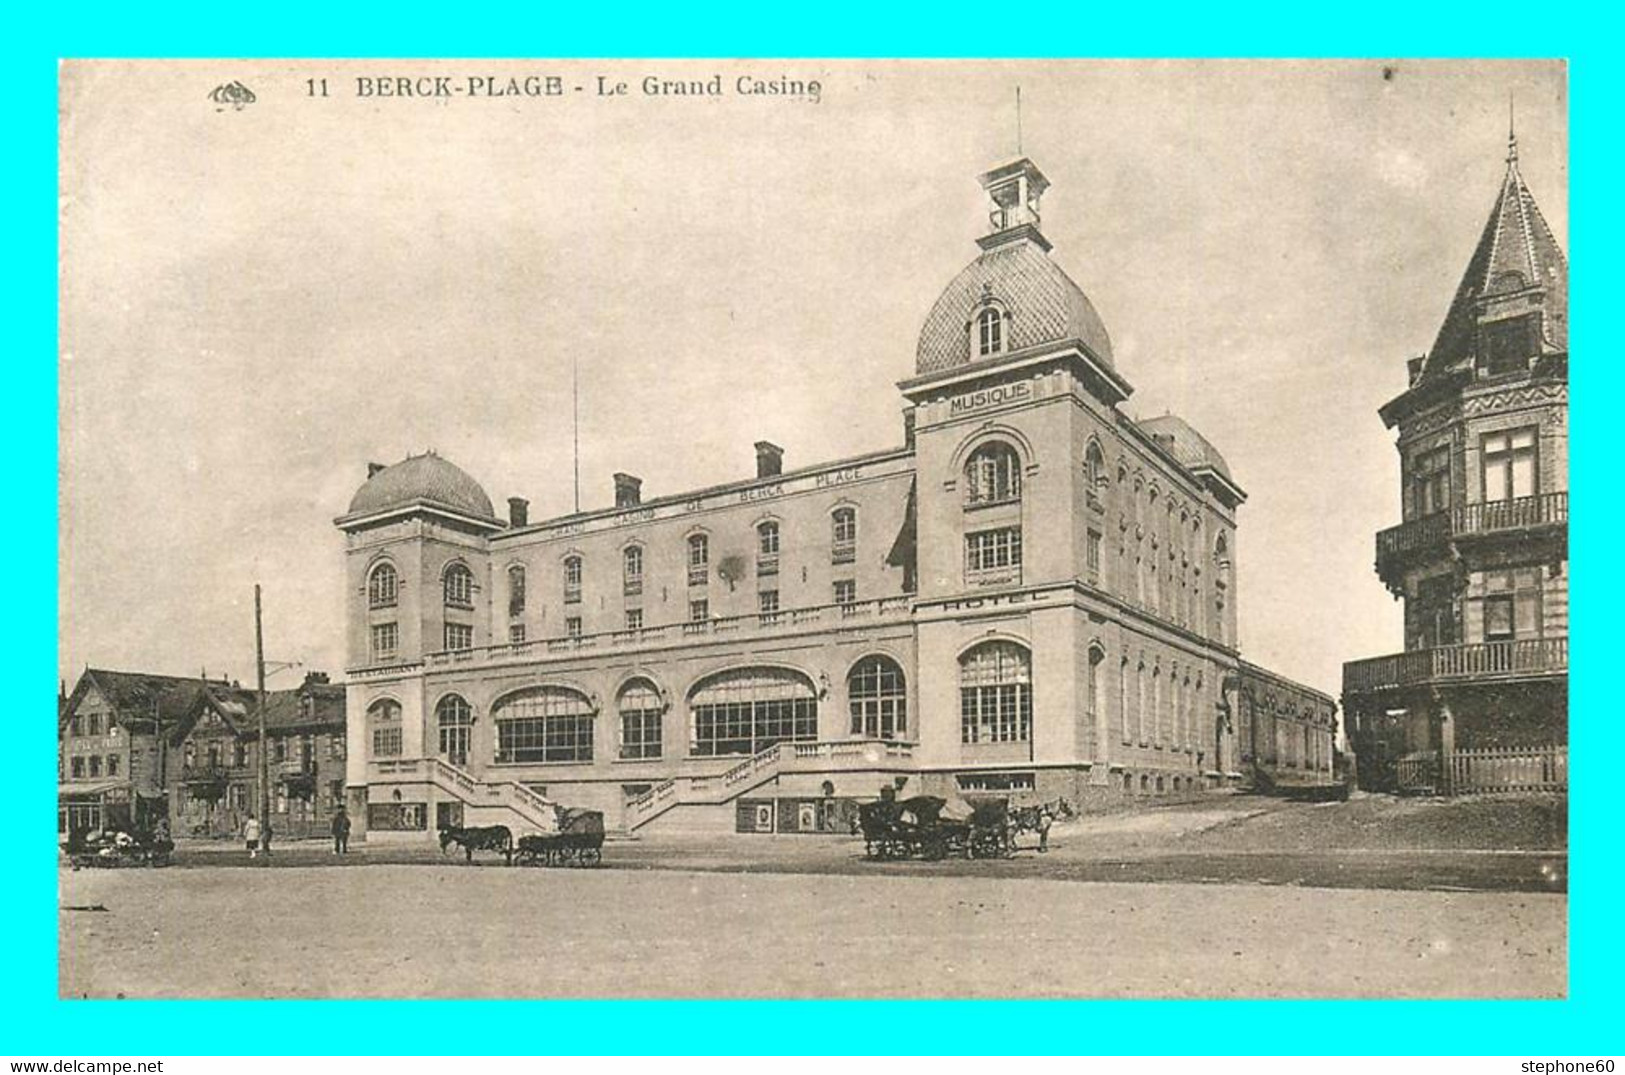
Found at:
(485, 838)
(1039, 818)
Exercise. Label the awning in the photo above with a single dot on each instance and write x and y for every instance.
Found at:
(92, 791)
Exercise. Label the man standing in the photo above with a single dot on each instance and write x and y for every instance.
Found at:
(341, 832)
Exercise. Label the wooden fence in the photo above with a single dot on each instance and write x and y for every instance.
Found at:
(1487, 769)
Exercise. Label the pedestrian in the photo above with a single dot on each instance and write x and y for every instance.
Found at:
(265, 837)
(251, 836)
(341, 832)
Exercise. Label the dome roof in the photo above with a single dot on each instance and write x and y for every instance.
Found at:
(425, 478)
(1042, 302)
(1187, 446)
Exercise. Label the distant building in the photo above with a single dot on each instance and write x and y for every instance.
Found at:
(134, 747)
(112, 734)
(1033, 596)
(216, 781)
(1479, 697)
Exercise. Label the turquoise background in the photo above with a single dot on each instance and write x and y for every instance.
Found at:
(32, 1021)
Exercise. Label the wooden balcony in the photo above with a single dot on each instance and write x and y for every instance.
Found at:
(1429, 536)
(1524, 658)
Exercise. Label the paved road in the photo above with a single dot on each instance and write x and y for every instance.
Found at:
(452, 931)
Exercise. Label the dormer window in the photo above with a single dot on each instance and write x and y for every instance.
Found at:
(989, 332)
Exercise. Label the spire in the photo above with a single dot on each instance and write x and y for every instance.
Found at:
(1517, 273)
(1512, 131)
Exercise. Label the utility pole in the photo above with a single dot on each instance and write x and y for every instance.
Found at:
(264, 746)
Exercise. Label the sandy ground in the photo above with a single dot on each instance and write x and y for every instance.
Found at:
(455, 931)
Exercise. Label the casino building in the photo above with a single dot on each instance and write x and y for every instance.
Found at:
(1034, 595)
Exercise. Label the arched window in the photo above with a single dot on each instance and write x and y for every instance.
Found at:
(632, 569)
(516, 590)
(995, 694)
(1126, 727)
(455, 721)
(459, 586)
(767, 548)
(383, 586)
(384, 728)
(542, 724)
(572, 579)
(1094, 469)
(640, 707)
(844, 535)
(879, 702)
(749, 709)
(1221, 585)
(993, 475)
(699, 559)
(989, 332)
(1095, 689)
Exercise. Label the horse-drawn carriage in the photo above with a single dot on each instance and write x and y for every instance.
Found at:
(578, 840)
(114, 849)
(909, 828)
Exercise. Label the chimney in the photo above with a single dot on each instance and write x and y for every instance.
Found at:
(374, 468)
(314, 678)
(628, 491)
(518, 511)
(769, 459)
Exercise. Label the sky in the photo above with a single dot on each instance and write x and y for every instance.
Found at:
(257, 301)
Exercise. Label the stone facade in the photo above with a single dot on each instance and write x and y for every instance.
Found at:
(1034, 595)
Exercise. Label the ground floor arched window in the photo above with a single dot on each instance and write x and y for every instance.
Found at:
(995, 694)
(544, 724)
(455, 721)
(749, 709)
(640, 707)
(876, 693)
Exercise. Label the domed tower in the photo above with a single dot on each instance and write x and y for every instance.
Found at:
(417, 583)
(1014, 380)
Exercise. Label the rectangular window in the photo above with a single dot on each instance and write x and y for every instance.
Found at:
(1431, 478)
(993, 550)
(572, 626)
(768, 604)
(1509, 465)
(1091, 555)
(699, 560)
(553, 737)
(572, 580)
(385, 640)
(699, 611)
(640, 733)
(1508, 345)
(239, 755)
(632, 560)
(386, 742)
(634, 619)
(1000, 713)
(335, 747)
(76, 726)
(95, 725)
(76, 766)
(112, 765)
(846, 591)
(279, 751)
(459, 636)
(95, 765)
(1498, 618)
(516, 632)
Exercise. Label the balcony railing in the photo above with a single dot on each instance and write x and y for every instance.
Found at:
(781, 621)
(1471, 520)
(1444, 664)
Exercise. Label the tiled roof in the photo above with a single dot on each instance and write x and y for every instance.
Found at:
(1043, 303)
(422, 478)
(1189, 447)
(1515, 251)
(284, 710)
(137, 695)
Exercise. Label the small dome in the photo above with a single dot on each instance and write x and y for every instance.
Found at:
(1043, 304)
(423, 478)
(1188, 446)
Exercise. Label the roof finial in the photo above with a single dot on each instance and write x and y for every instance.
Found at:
(1512, 129)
